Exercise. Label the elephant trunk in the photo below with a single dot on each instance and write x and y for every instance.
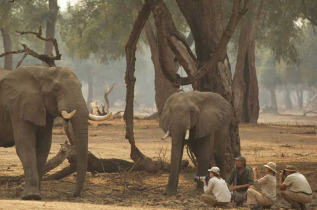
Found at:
(80, 128)
(176, 158)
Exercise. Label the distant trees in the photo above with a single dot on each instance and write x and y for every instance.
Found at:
(19, 15)
(101, 29)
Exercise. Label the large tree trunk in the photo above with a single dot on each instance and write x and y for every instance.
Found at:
(50, 25)
(245, 83)
(163, 87)
(206, 24)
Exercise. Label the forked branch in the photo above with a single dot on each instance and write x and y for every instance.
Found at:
(49, 59)
(221, 48)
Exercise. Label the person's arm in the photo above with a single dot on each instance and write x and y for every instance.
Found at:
(254, 170)
(230, 178)
(283, 184)
(258, 173)
(241, 186)
(208, 188)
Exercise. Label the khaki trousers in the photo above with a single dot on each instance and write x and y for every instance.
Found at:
(211, 200)
(254, 197)
(297, 197)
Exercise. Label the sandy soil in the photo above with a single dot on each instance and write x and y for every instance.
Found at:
(283, 144)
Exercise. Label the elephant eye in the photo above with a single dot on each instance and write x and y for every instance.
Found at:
(192, 111)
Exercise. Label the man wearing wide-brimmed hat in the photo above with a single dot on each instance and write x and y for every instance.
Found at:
(267, 197)
(216, 190)
(295, 189)
(241, 178)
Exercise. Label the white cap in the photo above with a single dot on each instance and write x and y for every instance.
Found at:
(215, 170)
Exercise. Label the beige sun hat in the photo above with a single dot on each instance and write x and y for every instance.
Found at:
(271, 166)
(290, 168)
(215, 170)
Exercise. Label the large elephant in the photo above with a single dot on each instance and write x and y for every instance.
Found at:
(201, 120)
(31, 98)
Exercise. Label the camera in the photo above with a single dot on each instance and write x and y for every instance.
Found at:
(202, 178)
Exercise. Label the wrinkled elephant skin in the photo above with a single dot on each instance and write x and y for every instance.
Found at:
(31, 97)
(201, 120)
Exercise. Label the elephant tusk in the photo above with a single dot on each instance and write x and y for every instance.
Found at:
(66, 115)
(187, 134)
(99, 118)
(166, 135)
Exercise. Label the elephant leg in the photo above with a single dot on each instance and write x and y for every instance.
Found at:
(43, 146)
(204, 152)
(25, 141)
(221, 138)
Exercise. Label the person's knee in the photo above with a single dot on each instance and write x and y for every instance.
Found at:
(283, 194)
(249, 191)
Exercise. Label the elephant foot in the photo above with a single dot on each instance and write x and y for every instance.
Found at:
(32, 195)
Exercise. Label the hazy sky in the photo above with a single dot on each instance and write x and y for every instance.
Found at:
(63, 3)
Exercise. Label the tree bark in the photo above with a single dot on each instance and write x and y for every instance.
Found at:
(273, 100)
(7, 48)
(299, 94)
(206, 24)
(245, 83)
(50, 25)
(4, 28)
(163, 87)
(287, 99)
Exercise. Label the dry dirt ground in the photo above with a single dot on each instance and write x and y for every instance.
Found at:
(293, 143)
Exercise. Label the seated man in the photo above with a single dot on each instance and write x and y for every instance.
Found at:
(295, 188)
(216, 191)
(241, 178)
(267, 196)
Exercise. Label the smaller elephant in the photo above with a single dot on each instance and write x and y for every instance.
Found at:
(201, 120)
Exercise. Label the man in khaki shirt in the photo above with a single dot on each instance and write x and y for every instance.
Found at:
(295, 188)
(267, 197)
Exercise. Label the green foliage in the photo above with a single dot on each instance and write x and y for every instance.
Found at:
(269, 77)
(102, 28)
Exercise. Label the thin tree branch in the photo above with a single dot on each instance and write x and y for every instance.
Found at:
(130, 49)
(259, 12)
(50, 60)
(306, 13)
(39, 35)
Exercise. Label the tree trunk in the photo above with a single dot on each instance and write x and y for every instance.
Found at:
(206, 24)
(299, 94)
(50, 25)
(4, 28)
(273, 100)
(245, 83)
(7, 47)
(163, 87)
(287, 99)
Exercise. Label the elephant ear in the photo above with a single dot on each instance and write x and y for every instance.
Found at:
(165, 117)
(215, 112)
(20, 94)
